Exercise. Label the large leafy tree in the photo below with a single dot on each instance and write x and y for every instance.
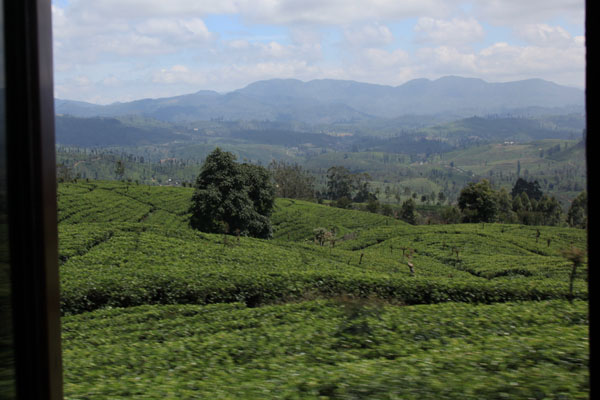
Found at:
(340, 183)
(232, 197)
(550, 210)
(479, 202)
(531, 188)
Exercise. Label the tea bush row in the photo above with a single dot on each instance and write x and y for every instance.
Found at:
(345, 348)
(147, 265)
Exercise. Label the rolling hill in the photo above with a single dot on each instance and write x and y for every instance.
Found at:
(336, 101)
(154, 309)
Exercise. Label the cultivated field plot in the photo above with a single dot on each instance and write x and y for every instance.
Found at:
(154, 309)
(341, 349)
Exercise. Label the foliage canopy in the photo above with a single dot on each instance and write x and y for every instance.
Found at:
(292, 181)
(578, 211)
(232, 197)
(531, 188)
(478, 202)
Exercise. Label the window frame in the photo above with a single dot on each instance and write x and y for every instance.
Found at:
(31, 191)
(31, 198)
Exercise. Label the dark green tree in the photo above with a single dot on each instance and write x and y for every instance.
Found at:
(505, 207)
(232, 197)
(64, 173)
(578, 211)
(526, 213)
(478, 202)
(387, 191)
(525, 201)
(262, 194)
(450, 215)
(120, 169)
(386, 210)
(373, 205)
(292, 181)
(342, 202)
(340, 183)
(397, 196)
(408, 212)
(531, 188)
(441, 197)
(577, 257)
(362, 186)
(550, 210)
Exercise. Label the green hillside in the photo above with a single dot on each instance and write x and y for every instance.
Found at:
(304, 320)
(508, 128)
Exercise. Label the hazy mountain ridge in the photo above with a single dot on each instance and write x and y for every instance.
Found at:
(338, 101)
(103, 131)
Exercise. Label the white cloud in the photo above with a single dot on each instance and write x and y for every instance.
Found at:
(82, 80)
(444, 60)
(285, 12)
(127, 49)
(141, 9)
(83, 36)
(175, 30)
(238, 44)
(233, 76)
(177, 74)
(383, 59)
(112, 81)
(372, 35)
(338, 12)
(546, 35)
(244, 51)
(281, 12)
(504, 62)
(516, 12)
(457, 31)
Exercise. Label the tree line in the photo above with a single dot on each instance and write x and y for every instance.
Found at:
(234, 198)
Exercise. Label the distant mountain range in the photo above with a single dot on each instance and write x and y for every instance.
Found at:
(328, 101)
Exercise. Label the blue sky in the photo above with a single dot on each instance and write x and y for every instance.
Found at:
(121, 50)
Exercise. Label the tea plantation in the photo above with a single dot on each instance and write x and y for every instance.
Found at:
(153, 309)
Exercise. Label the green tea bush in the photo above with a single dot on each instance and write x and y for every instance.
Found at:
(154, 258)
(330, 349)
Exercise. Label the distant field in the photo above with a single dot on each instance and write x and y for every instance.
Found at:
(486, 304)
(558, 165)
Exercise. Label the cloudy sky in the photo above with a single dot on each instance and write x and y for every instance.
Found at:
(121, 50)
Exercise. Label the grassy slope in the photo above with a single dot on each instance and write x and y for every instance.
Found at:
(126, 245)
(504, 157)
(129, 245)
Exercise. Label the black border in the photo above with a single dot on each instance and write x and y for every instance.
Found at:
(31, 193)
(591, 123)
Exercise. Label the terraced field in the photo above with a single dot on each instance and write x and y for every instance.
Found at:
(154, 309)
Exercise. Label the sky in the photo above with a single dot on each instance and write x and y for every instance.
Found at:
(121, 50)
